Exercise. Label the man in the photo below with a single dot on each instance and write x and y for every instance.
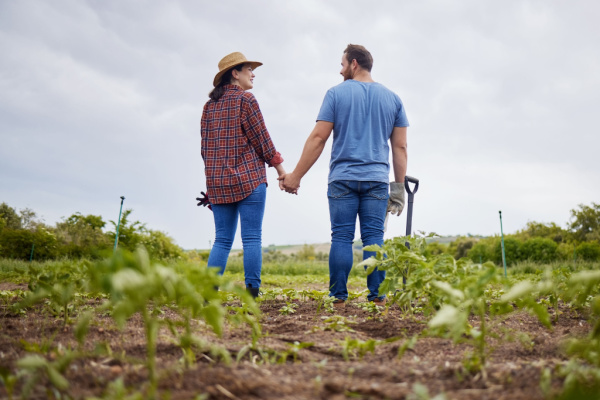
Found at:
(364, 116)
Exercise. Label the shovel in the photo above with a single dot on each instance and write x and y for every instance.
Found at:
(411, 200)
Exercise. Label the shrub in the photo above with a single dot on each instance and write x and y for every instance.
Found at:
(435, 249)
(539, 249)
(18, 243)
(588, 251)
(461, 246)
(483, 250)
(512, 249)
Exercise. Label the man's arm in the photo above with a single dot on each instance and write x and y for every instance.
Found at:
(312, 151)
(399, 153)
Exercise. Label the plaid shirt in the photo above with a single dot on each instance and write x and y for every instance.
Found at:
(235, 146)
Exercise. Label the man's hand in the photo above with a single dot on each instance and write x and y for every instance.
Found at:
(289, 182)
(396, 200)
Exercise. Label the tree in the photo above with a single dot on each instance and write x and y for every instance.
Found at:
(82, 236)
(130, 234)
(538, 229)
(160, 245)
(10, 218)
(585, 223)
(29, 219)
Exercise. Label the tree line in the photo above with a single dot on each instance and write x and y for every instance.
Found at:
(537, 242)
(24, 236)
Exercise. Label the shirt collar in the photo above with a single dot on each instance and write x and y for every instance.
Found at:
(232, 87)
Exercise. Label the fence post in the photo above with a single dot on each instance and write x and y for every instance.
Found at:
(118, 224)
(502, 241)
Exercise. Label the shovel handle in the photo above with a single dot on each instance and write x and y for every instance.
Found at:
(410, 179)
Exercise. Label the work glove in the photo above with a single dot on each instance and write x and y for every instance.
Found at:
(203, 201)
(396, 200)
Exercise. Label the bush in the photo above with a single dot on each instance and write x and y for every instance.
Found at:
(435, 249)
(461, 246)
(17, 244)
(566, 251)
(512, 251)
(539, 249)
(483, 250)
(588, 251)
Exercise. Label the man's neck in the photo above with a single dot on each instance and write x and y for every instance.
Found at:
(363, 76)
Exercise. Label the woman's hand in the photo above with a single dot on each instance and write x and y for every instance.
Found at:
(289, 183)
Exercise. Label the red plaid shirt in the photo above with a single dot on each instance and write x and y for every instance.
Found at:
(235, 146)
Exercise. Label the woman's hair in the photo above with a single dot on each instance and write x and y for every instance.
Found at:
(219, 90)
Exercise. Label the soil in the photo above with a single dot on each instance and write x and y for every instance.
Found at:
(522, 349)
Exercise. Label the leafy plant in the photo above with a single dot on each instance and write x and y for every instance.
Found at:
(353, 348)
(137, 285)
(293, 350)
(289, 308)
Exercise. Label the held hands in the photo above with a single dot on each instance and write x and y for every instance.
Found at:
(396, 200)
(289, 182)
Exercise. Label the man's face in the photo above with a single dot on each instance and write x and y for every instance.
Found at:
(346, 71)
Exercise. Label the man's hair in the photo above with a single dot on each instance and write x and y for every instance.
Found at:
(361, 55)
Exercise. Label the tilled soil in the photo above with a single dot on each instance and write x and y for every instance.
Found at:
(519, 351)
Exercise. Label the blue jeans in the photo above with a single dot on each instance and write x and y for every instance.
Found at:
(347, 199)
(250, 211)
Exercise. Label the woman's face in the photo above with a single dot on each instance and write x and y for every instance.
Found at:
(244, 78)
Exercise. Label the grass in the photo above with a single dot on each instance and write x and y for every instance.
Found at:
(530, 267)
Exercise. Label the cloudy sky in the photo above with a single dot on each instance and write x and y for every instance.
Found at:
(102, 99)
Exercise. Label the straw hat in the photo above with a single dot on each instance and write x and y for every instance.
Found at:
(230, 61)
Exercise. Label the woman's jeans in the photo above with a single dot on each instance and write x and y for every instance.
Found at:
(250, 211)
(347, 199)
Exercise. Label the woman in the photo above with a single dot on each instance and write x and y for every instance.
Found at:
(235, 148)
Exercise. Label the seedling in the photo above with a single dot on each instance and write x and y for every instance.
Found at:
(289, 308)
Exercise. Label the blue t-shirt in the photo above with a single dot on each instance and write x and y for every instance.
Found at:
(364, 115)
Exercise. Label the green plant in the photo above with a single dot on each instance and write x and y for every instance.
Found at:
(135, 284)
(35, 367)
(289, 308)
(293, 350)
(353, 348)
(337, 323)
(8, 380)
(58, 287)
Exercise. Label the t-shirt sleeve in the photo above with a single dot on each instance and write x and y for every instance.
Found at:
(327, 111)
(401, 120)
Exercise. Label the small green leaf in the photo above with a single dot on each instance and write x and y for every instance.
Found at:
(446, 316)
(372, 247)
(589, 277)
(449, 290)
(369, 262)
(519, 290)
(32, 362)
(59, 381)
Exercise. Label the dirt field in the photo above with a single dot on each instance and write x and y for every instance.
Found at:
(513, 369)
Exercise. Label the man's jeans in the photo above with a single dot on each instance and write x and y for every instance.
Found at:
(250, 211)
(347, 199)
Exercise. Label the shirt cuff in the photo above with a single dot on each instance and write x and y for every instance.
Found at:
(277, 159)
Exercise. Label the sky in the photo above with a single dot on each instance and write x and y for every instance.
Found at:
(103, 99)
